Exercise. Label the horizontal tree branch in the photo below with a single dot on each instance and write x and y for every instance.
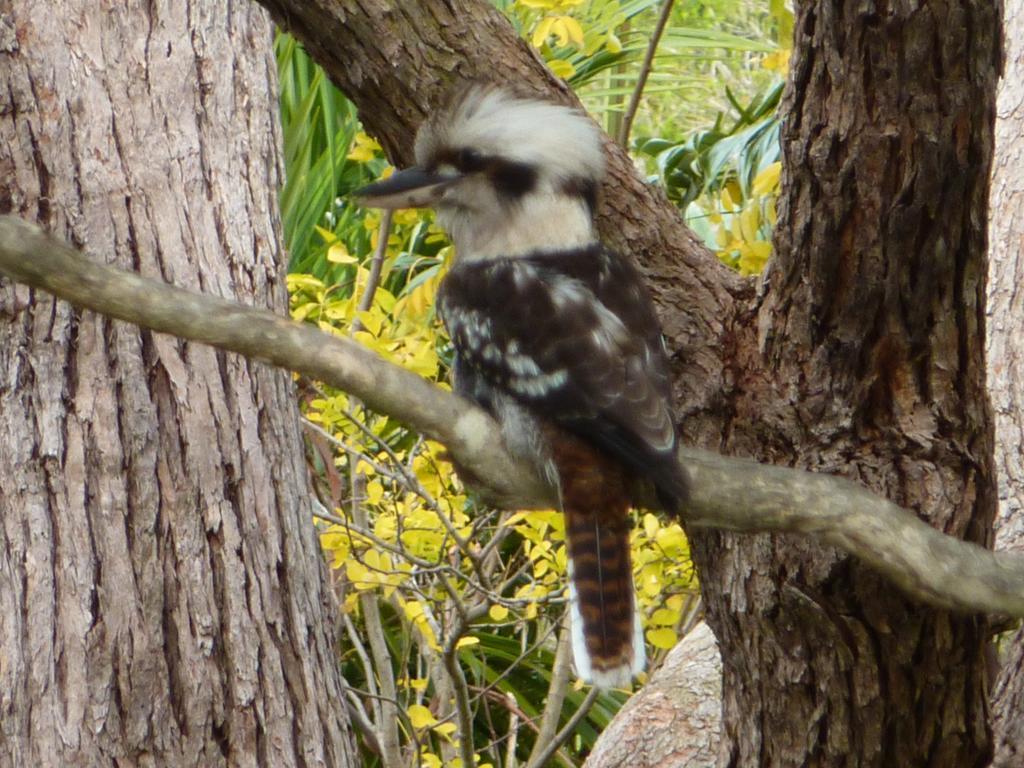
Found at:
(726, 493)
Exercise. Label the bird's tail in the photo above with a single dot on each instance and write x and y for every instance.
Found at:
(607, 639)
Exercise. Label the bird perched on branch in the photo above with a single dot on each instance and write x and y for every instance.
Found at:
(554, 334)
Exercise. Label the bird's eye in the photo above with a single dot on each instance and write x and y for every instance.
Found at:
(469, 160)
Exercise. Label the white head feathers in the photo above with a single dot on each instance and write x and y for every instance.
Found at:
(560, 142)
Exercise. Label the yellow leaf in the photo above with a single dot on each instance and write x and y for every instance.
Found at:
(386, 527)
(540, 34)
(567, 30)
(420, 716)
(778, 61)
(516, 517)
(614, 45)
(364, 148)
(377, 560)
(672, 540)
(722, 238)
(466, 642)
(767, 180)
(539, 550)
(372, 320)
(338, 254)
(662, 638)
(302, 311)
(445, 729)
(651, 525)
(304, 282)
(663, 617)
(750, 220)
(326, 234)
(562, 68)
(358, 574)
(753, 257)
(431, 760)
(335, 538)
(498, 612)
(418, 683)
(727, 200)
(374, 492)
(650, 585)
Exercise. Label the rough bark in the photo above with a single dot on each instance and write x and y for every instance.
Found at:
(871, 331)
(1006, 286)
(1006, 366)
(675, 718)
(867, 362)
(162, 596)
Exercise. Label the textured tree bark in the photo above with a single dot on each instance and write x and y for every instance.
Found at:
(162, 595)
(1006, 366)
(675, 718)
(872, 334)
(1006, 286)
(861, 355)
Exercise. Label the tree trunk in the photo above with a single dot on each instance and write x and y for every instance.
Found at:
(872, 333)
(861, 355)
(1006, 366)
(163, 599)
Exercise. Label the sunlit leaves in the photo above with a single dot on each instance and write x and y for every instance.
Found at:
(364, 148)
(420, 716)
(742, 226)
(565, 29)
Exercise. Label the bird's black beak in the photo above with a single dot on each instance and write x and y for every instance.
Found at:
(412, 188)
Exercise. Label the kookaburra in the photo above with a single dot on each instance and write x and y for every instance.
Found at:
(554, 334)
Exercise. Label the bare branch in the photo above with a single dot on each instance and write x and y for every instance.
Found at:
(563, 735)
(557, 690)
(376, 264)
(727, 493)
(622, 137)
(387, 724)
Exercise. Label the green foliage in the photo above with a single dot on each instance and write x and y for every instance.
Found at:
(726, 180)
(320, 131)
(706, 161)
(597, 46)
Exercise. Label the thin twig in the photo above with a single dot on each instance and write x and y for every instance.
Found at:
(513, 729)
(387, 727)
(645, 70)
(561, 737)
(376, 263)
(357, 712)
(379, 468)
(557, 690)
(508, 702)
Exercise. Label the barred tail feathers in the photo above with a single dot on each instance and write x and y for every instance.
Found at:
(607, 638)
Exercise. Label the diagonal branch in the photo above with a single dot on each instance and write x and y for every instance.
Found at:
(727, 493)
